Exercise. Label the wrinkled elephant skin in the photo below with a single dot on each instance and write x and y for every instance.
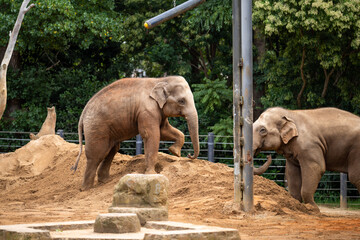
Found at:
(131, 106)
(312, 142)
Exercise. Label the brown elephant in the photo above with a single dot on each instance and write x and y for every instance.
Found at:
(130, 106)
(312, 141)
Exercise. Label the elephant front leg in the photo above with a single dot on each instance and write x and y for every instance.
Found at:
(293, 177)
(312, 169)
(151, 137)
(169, 133)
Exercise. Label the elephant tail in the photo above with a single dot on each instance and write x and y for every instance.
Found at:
(80, 132)
(263, 168)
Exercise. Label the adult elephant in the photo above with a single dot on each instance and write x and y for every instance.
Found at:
(130, 106)
(312, 141)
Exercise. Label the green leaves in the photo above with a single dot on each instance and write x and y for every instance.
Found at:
(326, 33)
(213, 94)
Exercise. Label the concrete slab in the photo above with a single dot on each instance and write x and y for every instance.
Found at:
(144, 214)
(117, 223)
(83, 230)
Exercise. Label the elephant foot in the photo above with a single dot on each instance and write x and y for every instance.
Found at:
(103, 179)
(312, 207)
(84, 188)
(174, 150)
(150, 171)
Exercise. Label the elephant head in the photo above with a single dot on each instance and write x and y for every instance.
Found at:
(175, 98)
(273, 129)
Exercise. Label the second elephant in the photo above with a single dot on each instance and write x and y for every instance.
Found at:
(130, 106)
(312, 142)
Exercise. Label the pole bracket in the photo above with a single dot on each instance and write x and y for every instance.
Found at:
(241, 63)
(242, 141)
(242, 162)
(241, 100)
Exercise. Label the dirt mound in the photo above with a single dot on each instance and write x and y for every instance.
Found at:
(38, 175)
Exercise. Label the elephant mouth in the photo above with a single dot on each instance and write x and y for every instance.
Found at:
(257, 151)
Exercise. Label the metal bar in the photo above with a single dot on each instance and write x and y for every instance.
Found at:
(211, 147)
(138, 144)
(174, 12)
(343, 190)
(236, 31)
(247, 108)
(60, 132)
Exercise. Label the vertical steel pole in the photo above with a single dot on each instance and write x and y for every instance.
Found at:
(138, 144)
(60, 132)
(236, 31)
(247, 108)
(211, 147)
(343, 190)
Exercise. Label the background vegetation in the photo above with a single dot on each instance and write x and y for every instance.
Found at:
(306, 55)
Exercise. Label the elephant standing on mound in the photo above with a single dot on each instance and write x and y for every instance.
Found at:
(312, 141)
(130, 106)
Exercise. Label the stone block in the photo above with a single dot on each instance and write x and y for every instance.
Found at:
(144, 214)
(141, 190)
(117, 223)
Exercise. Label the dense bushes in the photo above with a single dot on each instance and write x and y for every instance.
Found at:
(70, 49)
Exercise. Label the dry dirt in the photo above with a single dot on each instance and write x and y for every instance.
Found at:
(36, 185)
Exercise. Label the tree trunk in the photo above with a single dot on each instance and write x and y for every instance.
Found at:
(8, 53)
(327, 80)
(303, 79)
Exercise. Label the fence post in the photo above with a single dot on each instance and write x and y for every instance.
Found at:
(211, 147)
(60, 132)
(138, 144)
(343, 190)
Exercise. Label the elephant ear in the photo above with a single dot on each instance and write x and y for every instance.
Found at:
(159, 93)
(288, 130)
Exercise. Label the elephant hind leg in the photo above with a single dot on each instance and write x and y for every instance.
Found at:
(354, 177)
(169, 133)
(95, 153)
(104, 168)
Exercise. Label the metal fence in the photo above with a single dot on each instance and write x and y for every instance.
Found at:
(218, 149)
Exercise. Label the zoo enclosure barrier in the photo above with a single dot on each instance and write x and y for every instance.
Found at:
(334, 188)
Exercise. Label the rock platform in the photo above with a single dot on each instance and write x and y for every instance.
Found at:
(138, 212)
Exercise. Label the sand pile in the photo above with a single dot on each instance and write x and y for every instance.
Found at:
(39, 174)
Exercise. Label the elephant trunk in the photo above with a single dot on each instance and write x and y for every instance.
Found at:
(263, 168)
(192, 122)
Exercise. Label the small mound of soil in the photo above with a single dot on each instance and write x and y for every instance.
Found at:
(38, 176)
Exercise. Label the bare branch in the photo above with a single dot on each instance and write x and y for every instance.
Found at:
(8, 53)
(47, 69)
(28, 8)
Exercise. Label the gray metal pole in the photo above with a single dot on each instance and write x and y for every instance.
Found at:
(237, 100)
(153, 22)
(60, 132)
(247, 108)
(343, 190)
(138, 144)
(211, 147)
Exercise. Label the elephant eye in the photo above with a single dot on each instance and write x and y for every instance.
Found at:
(181, 101)
(263, 131)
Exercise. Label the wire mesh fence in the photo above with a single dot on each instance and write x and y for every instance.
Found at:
(219, 149)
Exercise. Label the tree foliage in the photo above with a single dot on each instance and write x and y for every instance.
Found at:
(70, 49)
(312, 53)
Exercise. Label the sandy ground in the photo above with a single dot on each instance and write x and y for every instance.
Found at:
(36, 185)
